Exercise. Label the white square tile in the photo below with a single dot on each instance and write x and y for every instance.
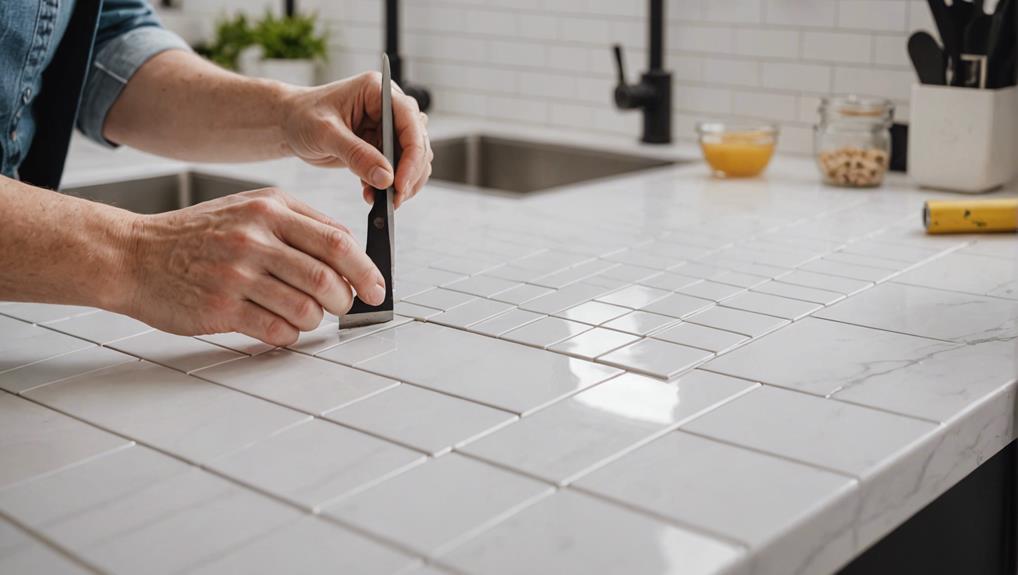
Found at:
(305, 383)
(929, 312)
(471, 312)
(634, 296)
(181, 414)
(505, 322)
(562, 278)
(22, 553)
(568, 439)
(573, 534)
(594, 312)
(803, 293)
(669, 281)
(94, 483)
(179, 522)
(61, 367)
(238, 342)
(521, 293)
(25, 344)
(703, 483)
(415, 311)
(866, 260)
(841, 285)
(772, 305)
(440, 298)
(846, 438)
(329, 335)
(629, 273)
(968, 272)
(437, 504)
(481, 285)
(364, 348)
(546, 332)
(656, 358)
(424, 420)
(848, 270)
(942, 385)
(35, 440)
(309, 545)
(640, 322)
(567, 297)
(100, 327)
(498, 373)
(738, 321)
(316, 462)
(184, 354)
(710, 290)
(799, 356)
(679, 305)
(708, 338)
(44, 312)
(593, 343)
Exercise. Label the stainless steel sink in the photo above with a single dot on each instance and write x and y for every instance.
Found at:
(523, 167)
(163, 193)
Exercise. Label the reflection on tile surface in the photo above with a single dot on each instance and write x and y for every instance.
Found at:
(591, 344)
(546, 332)
(573, 534)
(655, 357)
(577, 434)
(498, 373)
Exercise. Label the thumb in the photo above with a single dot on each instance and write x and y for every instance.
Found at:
(362, 158)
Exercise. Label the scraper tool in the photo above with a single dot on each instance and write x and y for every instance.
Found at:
(381, 240)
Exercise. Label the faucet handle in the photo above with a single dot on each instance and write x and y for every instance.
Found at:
(629, 96)
(620, 64)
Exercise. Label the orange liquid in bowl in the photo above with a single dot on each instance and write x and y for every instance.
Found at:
(738, 155)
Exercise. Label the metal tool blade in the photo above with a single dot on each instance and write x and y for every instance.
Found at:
(381, 237)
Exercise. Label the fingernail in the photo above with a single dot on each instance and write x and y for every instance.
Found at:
(378, 292)
(380, 177)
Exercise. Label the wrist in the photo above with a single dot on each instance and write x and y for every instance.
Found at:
(119, 279)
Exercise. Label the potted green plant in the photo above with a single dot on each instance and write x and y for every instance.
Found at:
(291, 48)
(231, 45)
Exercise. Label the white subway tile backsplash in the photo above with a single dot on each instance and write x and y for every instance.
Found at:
(881, 15)
(789, 76)
(549, 62)
(838, 46)
(805, 13)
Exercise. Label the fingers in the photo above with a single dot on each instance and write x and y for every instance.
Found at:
(312, 277)
(413, 138)
(339, 250)
(363, 159)
(300, 207)
(296, 307)
(263, 325)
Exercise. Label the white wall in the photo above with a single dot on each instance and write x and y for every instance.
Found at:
(548, 61)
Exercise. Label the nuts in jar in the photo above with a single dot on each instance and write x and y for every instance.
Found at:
(853, 166)
(853, 140)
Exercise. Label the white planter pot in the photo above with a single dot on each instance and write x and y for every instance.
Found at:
(249, 61)
(296, 72)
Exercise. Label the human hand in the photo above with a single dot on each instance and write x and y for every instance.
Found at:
(338, 125)
(261, 263)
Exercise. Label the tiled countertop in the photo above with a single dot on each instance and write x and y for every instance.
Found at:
(660, 373)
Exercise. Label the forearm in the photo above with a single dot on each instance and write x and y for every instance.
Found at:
(181, 106)
(59, 249)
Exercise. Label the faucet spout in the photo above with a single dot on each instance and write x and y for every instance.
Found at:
(419, 93)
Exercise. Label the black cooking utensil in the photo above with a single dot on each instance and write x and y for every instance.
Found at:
(975, 50)
(1001, 41)
(927, 58)
(949, 34)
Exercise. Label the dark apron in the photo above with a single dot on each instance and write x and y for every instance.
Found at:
(56, 108)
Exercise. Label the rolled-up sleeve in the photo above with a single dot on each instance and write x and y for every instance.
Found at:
(128, 35)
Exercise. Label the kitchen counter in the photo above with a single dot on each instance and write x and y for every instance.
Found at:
(655, 373)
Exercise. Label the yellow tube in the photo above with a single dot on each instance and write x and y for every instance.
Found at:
(971, 216)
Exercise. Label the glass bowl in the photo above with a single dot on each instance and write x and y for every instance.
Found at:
(737, 150)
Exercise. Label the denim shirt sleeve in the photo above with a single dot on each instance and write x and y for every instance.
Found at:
(128, 35)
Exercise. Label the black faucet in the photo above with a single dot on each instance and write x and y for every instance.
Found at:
(419, 93)
(654, 92)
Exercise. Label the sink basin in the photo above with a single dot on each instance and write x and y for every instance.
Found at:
(522, 167)
(163, 193)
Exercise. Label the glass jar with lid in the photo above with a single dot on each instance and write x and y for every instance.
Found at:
(853, 140)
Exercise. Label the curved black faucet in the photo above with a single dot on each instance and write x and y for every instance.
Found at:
(419, 93)
(653, 94)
